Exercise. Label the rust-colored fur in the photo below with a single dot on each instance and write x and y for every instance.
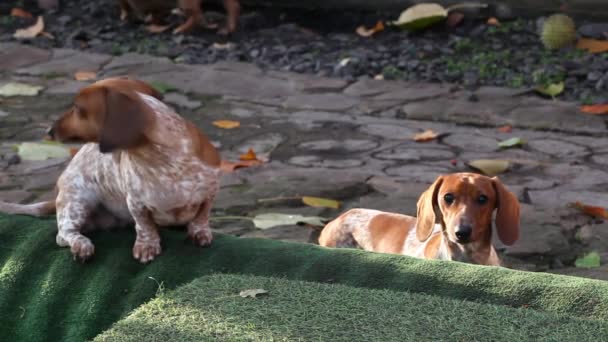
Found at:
(454, 222)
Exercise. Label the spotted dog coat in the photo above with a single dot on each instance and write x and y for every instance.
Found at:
(171, 178)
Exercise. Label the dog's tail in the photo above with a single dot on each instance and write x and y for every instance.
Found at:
(34, 209)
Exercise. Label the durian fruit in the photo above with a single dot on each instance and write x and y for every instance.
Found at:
(558, 31)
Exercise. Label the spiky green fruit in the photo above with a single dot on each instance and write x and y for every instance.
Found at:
(558, 31)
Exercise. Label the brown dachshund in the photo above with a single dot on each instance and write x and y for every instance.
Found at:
(142, 164)
(153, 10)
(454, 223)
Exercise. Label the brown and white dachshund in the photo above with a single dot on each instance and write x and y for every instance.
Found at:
(152, 10)
(454, 223)
(141, 163)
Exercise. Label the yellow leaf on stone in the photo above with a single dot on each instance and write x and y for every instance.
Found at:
(319, 202)
(490, 167)
(85, 75)
(226, 124)
(19, 89)
(421, 16)
(42, 151)
(425, 136)
(32, 31)
(250, 155)
(552, 90)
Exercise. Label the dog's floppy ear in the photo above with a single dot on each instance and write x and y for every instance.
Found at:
(428, 211)
(124, 121)
(507, 215)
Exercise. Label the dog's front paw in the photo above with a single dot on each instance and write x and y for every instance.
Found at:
(145, 252)
(201, 237)
(82, 249)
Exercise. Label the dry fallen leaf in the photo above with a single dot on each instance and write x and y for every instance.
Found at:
(492, 21)
(42, 150)
(32, 31)
(253, 293)
(219, 46)
(228, 166)
(250, 155)
(365, 32)
(592, 45)
(425, 136)
(513, 142)
(18, 12)
(595, 109)
(85, 75)
(505, 129)
(591, 210)
(318, 202)
(19, 89)
(157, 28)
(226, 124)
(489, 167)
(552, 89)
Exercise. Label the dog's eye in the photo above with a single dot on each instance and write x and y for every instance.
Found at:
(483, 199)
(448, 198)
(81, 112)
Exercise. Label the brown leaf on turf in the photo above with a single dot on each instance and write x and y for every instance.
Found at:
(85, 75)
(595, 109)
(32, 31)
(591, 210)
(157, 28)
(18, 12)
(228, 166)
(250, 155)
(454, 18)
(505, 129)
(425, 136)
(493, 22)
(226, 124)
(365, 32)
(592, 45)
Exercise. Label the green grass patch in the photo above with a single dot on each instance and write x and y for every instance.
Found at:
(46, 296)
(210, 308)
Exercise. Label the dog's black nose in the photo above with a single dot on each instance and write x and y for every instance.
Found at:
(463, 232)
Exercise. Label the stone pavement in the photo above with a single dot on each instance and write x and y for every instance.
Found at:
(346, 141)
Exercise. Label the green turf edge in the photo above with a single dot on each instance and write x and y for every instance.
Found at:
(46, 296)
(210, 308)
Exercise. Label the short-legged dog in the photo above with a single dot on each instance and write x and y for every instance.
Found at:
(142, 164)
(454, 223)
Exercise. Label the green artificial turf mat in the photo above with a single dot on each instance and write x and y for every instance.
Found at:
(46, 296)
(210, 308)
